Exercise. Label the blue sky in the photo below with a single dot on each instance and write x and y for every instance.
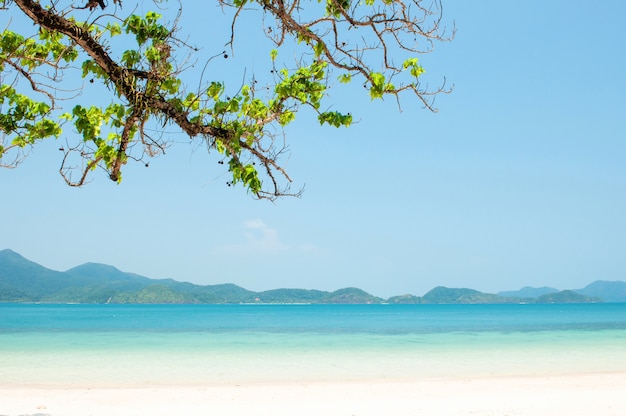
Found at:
(519, 179)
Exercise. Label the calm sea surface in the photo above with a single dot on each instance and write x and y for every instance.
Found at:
(102, 345)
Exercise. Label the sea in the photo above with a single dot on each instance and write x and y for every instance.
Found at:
(78, 345)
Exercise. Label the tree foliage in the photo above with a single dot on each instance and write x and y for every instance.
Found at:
(140, 61)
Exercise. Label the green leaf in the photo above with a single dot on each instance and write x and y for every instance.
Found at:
(335, 119)
(409, 63)
(233, 105)
(345, 78)
(215, 90)
(286, 118)
(130, 58)
(378, 85)
(153, 54)
(114, 29)
(416, 69)
(171, 85)
(335, 7)
(318, 49)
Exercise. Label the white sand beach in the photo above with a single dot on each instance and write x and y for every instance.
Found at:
(572, 395)
(571, 372)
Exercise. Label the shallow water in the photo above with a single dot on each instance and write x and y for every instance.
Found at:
(113, 345)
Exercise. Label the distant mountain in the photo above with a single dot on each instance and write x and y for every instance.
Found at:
(98, 273)
(529, 292)
(22, 280)
(607, 291)
(349, 295)
(404, 299)
(444, 295)
(566, 296)
(291, 296)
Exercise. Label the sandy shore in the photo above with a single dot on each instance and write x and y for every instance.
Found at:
(588, 394)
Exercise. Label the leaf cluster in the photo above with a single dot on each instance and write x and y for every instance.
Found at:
(135, 59)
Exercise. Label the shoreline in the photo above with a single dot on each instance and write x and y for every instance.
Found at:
(542, 362)
(536, 395)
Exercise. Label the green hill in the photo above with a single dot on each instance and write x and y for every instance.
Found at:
(606, 290)
(529, 292)
(22, 280)
(349, 295)
(291, 296)
(407, 299)
(444, 295)
(566, 296)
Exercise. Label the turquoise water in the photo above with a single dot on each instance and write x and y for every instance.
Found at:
(101, 345)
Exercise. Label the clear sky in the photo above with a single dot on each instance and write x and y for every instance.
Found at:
(520, 179)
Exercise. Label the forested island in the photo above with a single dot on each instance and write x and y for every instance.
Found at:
(22, 280)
